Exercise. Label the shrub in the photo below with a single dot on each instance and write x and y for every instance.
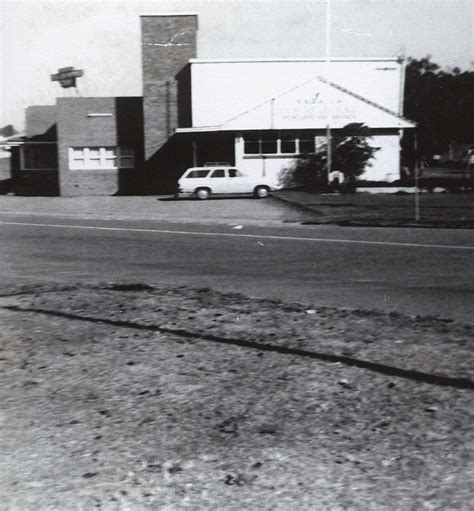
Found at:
(351, 154)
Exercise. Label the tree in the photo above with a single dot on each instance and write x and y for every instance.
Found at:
(441, 103)
(350, 154)
(8, 131)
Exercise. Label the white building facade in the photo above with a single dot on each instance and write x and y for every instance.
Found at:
(277, 110)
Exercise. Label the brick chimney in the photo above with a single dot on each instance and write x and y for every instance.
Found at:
(168, 43)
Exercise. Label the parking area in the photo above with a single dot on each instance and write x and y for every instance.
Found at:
(443, 210)
(225, 210)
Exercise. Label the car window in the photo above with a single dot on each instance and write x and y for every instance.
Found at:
(218, 173)
(234, 173)
(198, 173)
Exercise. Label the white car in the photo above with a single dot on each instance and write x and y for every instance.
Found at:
(202, 182)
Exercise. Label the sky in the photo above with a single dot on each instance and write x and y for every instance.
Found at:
(103, 38)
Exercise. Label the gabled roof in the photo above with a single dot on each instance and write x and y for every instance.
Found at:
(316, 103)
(312, 104)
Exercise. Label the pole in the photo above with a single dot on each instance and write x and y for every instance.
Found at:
(272, 113)
(403, 63)
(328, 125)
(417, 194)
(401, 94)
(168, 109)
(195, 157)
(22, 157)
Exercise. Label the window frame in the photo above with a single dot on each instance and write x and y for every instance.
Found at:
(205, 173)
(101, 157)
(258, 141)
(27, 157)
(212, 176)
(230, 171)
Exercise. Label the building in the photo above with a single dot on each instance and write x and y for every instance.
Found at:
(259, 115)
(80, 146)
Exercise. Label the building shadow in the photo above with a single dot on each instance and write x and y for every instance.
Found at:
(38, 175)
(6, 186)
(130, 134)
(185, 150)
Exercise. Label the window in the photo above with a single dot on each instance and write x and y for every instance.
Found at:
(252, 144)
(198, 173)
(110, 157)
(218, 173)
(288, 146)
(76, 158)
(94, 158)
(234, 173)
(40, 156)
(101, 158)
(280, 143)
(269, 144)
(127, 157)
(306, 145)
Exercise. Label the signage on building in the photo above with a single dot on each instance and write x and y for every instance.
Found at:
(316, 107)
(66, 76)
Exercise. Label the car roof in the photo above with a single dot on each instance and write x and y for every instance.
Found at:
(211, 168)
(207, 169)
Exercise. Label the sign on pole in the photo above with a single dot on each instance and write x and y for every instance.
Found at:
(66, 76)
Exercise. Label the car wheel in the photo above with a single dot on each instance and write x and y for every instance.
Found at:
(261, 192)
(203, 193)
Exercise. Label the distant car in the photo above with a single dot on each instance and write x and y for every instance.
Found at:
(454, 177)
(202, 182)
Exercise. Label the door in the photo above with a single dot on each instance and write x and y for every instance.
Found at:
(238, 182)
(218, 181)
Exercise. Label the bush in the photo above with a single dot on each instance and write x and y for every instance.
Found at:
(350, 152)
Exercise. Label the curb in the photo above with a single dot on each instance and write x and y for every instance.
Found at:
(297, 205)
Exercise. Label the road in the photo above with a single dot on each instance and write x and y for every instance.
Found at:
(413, 271)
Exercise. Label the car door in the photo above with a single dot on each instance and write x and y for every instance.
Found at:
(238, 182)
(217, 181)
(192, 179)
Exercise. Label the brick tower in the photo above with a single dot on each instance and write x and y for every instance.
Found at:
(168, 42)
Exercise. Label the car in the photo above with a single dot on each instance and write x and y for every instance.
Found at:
(452, 176)
(202, 182)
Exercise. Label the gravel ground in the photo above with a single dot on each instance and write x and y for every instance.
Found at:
(125, 396)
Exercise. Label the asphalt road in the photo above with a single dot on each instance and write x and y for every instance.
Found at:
(414, 271)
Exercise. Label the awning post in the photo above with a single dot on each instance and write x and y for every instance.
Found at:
(195, 157)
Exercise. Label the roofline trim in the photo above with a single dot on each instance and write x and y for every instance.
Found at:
(223, 128)
(16, 143)
(164, 14)
(302, 59)
(198, 129)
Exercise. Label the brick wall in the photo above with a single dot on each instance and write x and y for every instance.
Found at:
(36, 183)
(41, 122)
(93, 182)
(120, 124)
(168, 42)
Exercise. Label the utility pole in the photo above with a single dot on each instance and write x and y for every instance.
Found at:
(417, 174)
(328, 102)
(403, 62)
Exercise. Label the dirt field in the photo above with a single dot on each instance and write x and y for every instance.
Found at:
(120, 396)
